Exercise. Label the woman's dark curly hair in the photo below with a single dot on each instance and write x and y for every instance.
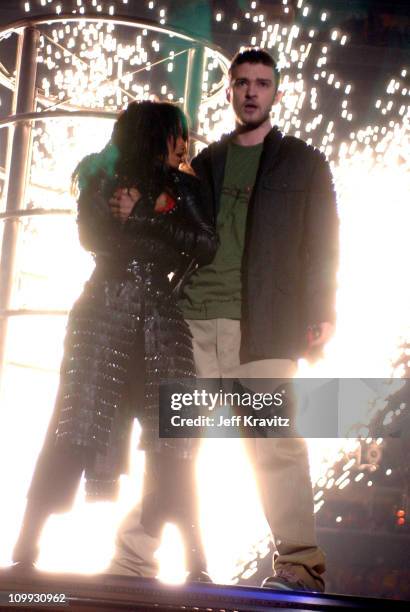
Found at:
(137, 152)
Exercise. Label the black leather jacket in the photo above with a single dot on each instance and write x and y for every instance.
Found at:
(176, 240)
(291, 243)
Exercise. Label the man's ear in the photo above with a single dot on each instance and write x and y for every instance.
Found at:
(228, 93)
(278, 97)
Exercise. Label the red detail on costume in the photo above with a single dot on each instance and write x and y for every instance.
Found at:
(170, 203)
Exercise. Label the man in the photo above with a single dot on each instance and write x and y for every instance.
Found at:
(271, 283)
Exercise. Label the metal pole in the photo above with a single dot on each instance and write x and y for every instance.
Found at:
(10, 130)
(17, 171)
(193, 85)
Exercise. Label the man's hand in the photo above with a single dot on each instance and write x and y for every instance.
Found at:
(123, 201)
(320, 334)
(185, 167)
(317, 336)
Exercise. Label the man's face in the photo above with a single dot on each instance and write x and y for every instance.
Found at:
(252, 92)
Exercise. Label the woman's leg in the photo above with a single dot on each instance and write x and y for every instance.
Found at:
(169, 495)
(184, 510)
(53, 487)
(174, 483)
(96, 354)
(138, 536)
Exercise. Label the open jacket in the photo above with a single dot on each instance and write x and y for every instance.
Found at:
(291, 243)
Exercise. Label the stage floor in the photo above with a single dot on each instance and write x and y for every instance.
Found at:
(37, 590)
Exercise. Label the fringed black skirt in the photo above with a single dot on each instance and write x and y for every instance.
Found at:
(124, 335)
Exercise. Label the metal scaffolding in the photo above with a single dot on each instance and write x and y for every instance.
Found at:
(23, 116)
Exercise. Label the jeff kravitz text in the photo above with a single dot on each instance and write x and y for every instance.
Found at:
(230, 421)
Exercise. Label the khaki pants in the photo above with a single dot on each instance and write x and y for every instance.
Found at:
(280, 464)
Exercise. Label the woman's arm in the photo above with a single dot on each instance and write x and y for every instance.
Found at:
(207, 240)
(184, 227)
(98, 230)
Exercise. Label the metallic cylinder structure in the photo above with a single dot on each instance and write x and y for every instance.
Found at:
(24, 114)
(18, 170)
(193, 85)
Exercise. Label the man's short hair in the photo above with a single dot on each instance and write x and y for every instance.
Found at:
(255, 55)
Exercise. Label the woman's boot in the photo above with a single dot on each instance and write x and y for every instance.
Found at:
(26, 550)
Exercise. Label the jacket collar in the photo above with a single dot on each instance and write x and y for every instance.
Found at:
(270, 152)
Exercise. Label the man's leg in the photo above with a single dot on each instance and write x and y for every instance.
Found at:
(216, 344)
(134, 549)
(204, 348)
(282, 471)
(281, 467)
(137, 542)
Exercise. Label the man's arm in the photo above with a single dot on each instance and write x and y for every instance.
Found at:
(322, 252)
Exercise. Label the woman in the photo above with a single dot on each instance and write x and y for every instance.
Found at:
(125, 333)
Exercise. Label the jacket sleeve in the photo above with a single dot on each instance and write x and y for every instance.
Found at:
(198, 164)
(206, 242)
(321, 246)
(188, 232)
(201, 165)
(98, 231)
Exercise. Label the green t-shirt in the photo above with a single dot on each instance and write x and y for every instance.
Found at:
(214, 291)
